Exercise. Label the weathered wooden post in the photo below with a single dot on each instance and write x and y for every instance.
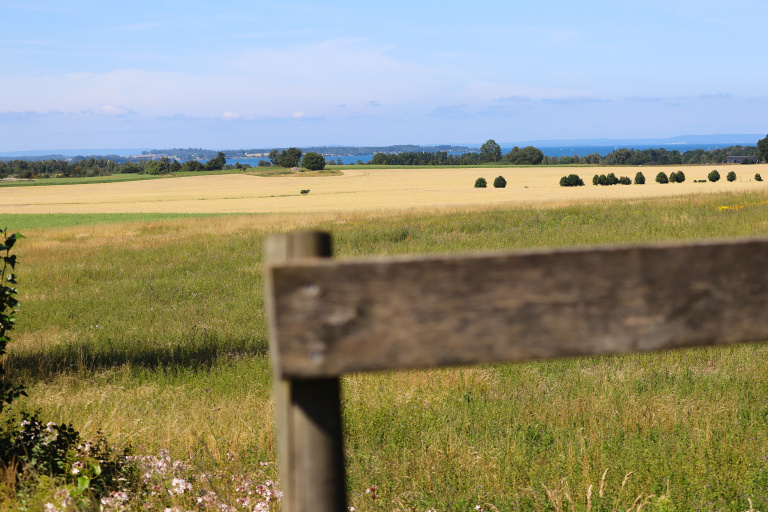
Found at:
(310, 447)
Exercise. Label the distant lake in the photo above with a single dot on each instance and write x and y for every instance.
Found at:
(548, 151)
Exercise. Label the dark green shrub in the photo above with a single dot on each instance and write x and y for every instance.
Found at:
(758, 177)
(572, 180)
(304, 191)
(673, 177)
(662, 178)
(499, 182)
(680, 177)
(731, 176)
(624, 180)
(639, 178)
(481, 183)
(264, 163)
(610, 179)
(595, 179)
(713, 176)
(313, 161)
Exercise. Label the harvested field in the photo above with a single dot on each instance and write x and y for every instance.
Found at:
(364, 190)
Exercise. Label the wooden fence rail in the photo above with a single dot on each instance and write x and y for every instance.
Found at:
(330, 317)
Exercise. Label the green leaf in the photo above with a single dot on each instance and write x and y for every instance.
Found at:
(83, 483)
(11, 278)
(11, 260)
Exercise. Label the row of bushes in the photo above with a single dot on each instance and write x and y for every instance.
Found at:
(573, 180)
(499, 182)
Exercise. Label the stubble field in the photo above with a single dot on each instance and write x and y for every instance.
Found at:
(150, 327)
(363, 190)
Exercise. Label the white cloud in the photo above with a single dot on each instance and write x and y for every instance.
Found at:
(230, 115)
(298, 115)
(312, 78)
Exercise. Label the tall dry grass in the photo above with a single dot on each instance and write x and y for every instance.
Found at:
(154, 332)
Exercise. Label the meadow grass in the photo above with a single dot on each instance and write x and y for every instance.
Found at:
(153, 331)
(113, 178)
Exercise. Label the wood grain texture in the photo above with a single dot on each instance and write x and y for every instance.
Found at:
(334, 317)
(310, 443)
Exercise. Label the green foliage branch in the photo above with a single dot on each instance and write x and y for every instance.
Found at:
(8, 308)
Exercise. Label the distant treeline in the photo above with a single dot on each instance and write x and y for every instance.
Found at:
(205, 154)
(490, 153)
(533, 156)
(115, 158)
(90, 167)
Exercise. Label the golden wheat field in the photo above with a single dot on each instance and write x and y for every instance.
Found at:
(362, 190)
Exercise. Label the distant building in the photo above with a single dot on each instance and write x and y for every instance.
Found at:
(742, 159)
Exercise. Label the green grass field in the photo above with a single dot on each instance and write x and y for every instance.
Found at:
(151, 329)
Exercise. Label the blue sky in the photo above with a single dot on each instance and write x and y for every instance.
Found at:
(251, 74)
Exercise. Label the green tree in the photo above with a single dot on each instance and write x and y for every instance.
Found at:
(662, 178)
(192, 166)
(153, 167)
(499, 182)
(762, 149)
(175, 166)
(713, 176)
(313, 161)
(289, 158)
(216, 164)
(731, 176)
(639, 178)
(379, 159)
(490, 151)
(481, 183)
(529, 155)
